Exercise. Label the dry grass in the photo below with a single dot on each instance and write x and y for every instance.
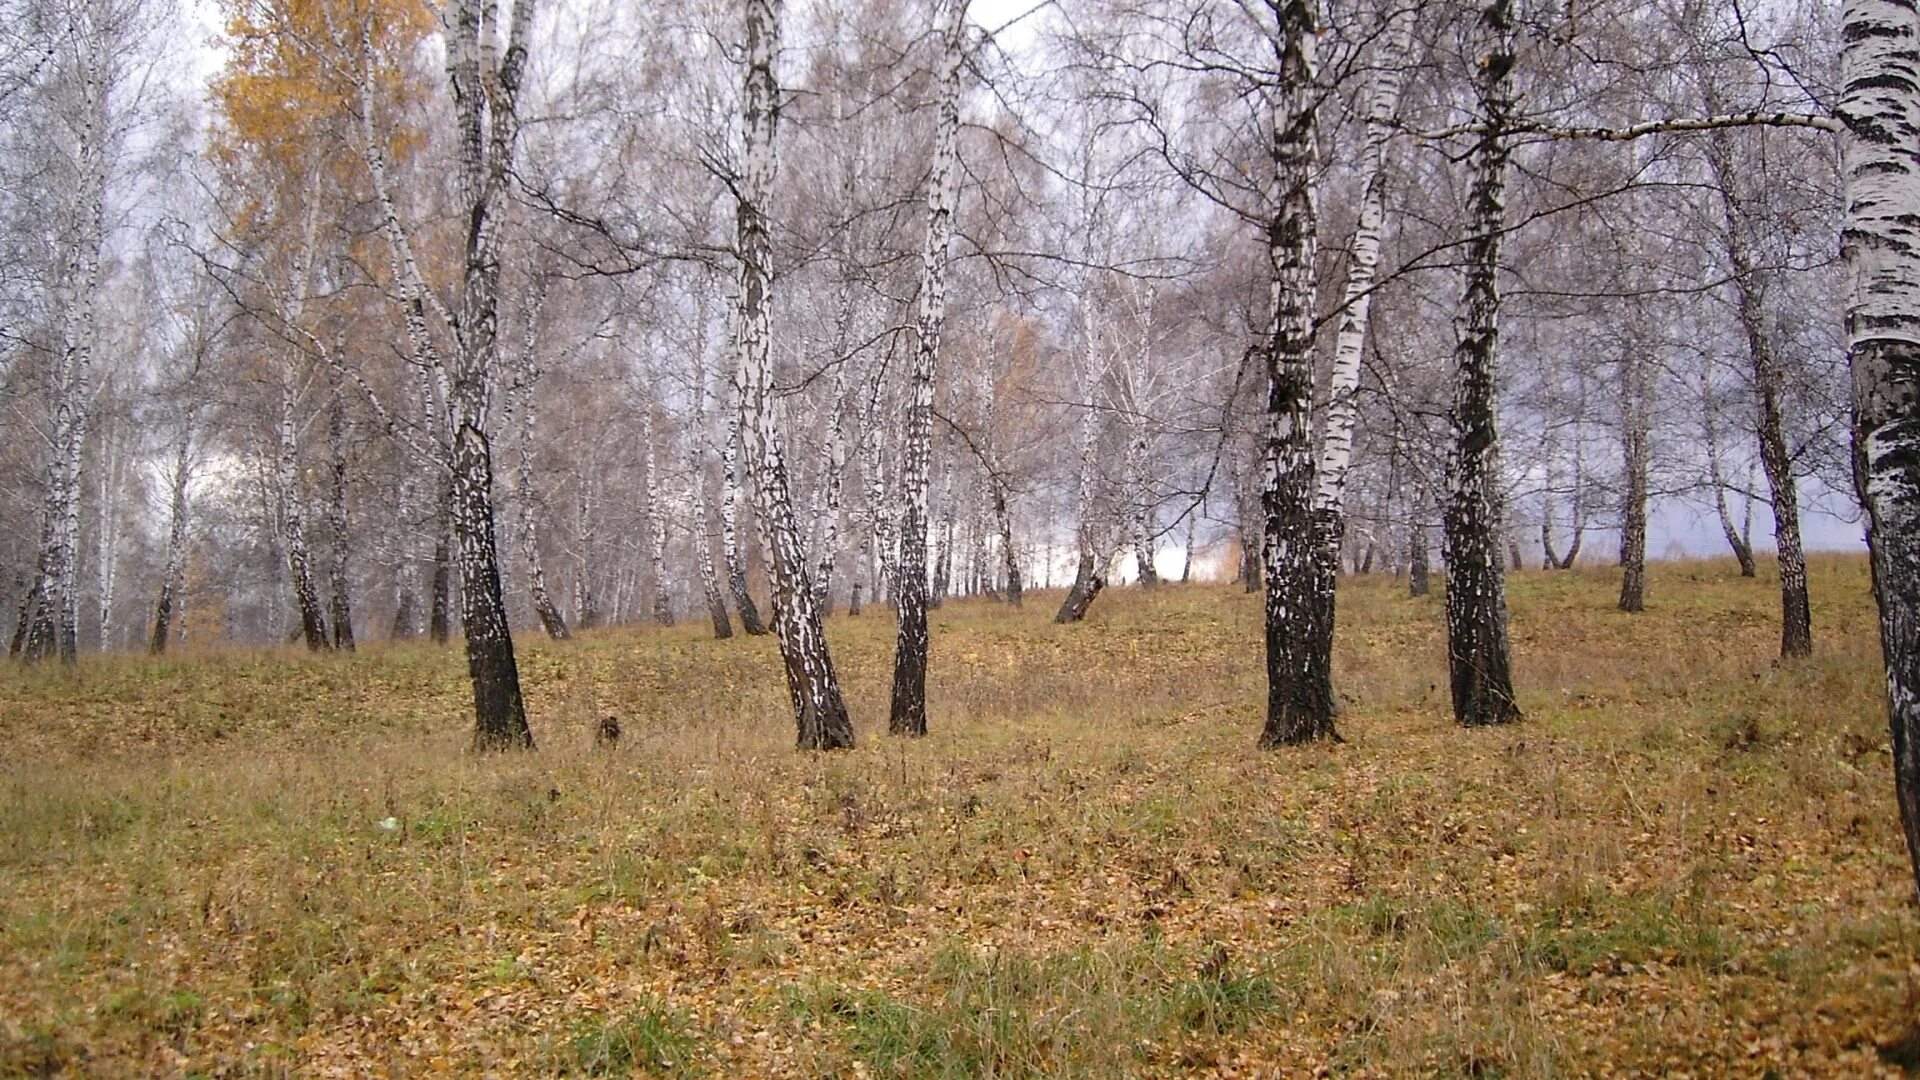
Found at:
(1686, 861)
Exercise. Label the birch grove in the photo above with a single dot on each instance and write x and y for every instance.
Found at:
(894, 309)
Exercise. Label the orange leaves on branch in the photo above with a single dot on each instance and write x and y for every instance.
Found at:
(289, 99)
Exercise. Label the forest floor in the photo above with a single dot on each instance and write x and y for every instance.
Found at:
(1685, 862)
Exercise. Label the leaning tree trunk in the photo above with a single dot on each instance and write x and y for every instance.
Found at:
(1880, 107)
(293, 529)
(1579, 523)
(1751, 305)
(1737, 538)
(729, 519)
(1300, 707)
(909, 712)
(486, 84)
(1796, 617)
(176, 540)
(1009, 555)
(1087, 581)
(1478, 656)
(820, 713)
(440, 518)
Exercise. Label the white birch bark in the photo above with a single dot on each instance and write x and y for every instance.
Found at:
(696, 441)
(51, 621)
(524, 398)
(106, 563)
(730, 495)
(1363, 263)
(879, 511)
(1880, 161)
(1755, 315)
(484, 69)
(829, 491)
(167, 604)
(657, 522)
(1736, 535)
(1299, 683)
(909, 712)
(1478, 655)
(820, 713)
(293, 527)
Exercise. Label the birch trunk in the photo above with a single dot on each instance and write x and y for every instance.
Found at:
(879, 515)
(729, 516)
(1737, 537)
(525, 398)
(586, 596)
(697, 493)
(440, 584)
(1087, 583)
(405, 618)
(820, 713)
(943, 566)
(1186, 563)
(657, 519)
(1751, 306)
(1300, 705)
(293, 528)
(1350, 341)
(163, 608)
(1880, 156)
(1086, 577)
(107, 513)
(827, 552)
(1478, 655)
(52, 623)
(485, 78)
(909, 712)
(1140, 520)
(1636, 420)
(338, 566)
(1009, 555)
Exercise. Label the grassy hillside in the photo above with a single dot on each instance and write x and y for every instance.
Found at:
(1685, 861)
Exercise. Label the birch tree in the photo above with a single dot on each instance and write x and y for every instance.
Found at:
(820, 713)
(1880, 110)
(909, 712)
(1752, 312)
(1478, 655)
(1350, 341)
(485, 62)
(81, 141)
(1300, 705)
